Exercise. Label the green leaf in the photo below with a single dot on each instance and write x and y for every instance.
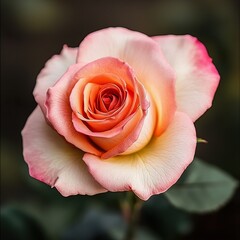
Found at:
(204, 188)
(201, 140)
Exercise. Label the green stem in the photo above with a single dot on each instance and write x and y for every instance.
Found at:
(131, 211)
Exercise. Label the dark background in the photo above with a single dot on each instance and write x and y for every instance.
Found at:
(34, 30)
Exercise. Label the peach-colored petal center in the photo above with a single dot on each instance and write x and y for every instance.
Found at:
(104, 102)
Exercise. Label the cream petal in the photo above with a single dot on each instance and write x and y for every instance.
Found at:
(51, 73)
(54, 161)
(155, 168)
(196, 76)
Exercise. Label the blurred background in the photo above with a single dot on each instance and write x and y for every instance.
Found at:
(34, 30)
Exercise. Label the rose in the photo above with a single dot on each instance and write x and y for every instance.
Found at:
(117, 113)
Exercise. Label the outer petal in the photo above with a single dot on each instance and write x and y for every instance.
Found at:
(196, 76)
(52, 160)
(53, 70)
(59, 112)
(153, 169)
(145, 58)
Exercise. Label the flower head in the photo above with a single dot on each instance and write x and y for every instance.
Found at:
(117, 113)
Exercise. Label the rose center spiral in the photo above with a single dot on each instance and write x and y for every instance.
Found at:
(109, 99)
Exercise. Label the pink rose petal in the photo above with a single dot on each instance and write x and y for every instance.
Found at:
(54, 161)
(196, 76)
(59, 112)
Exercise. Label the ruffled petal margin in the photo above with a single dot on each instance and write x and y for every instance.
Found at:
(54, 161)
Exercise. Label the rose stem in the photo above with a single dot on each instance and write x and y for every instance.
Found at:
(131, 210)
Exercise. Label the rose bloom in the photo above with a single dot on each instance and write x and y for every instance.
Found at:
(117, 113)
